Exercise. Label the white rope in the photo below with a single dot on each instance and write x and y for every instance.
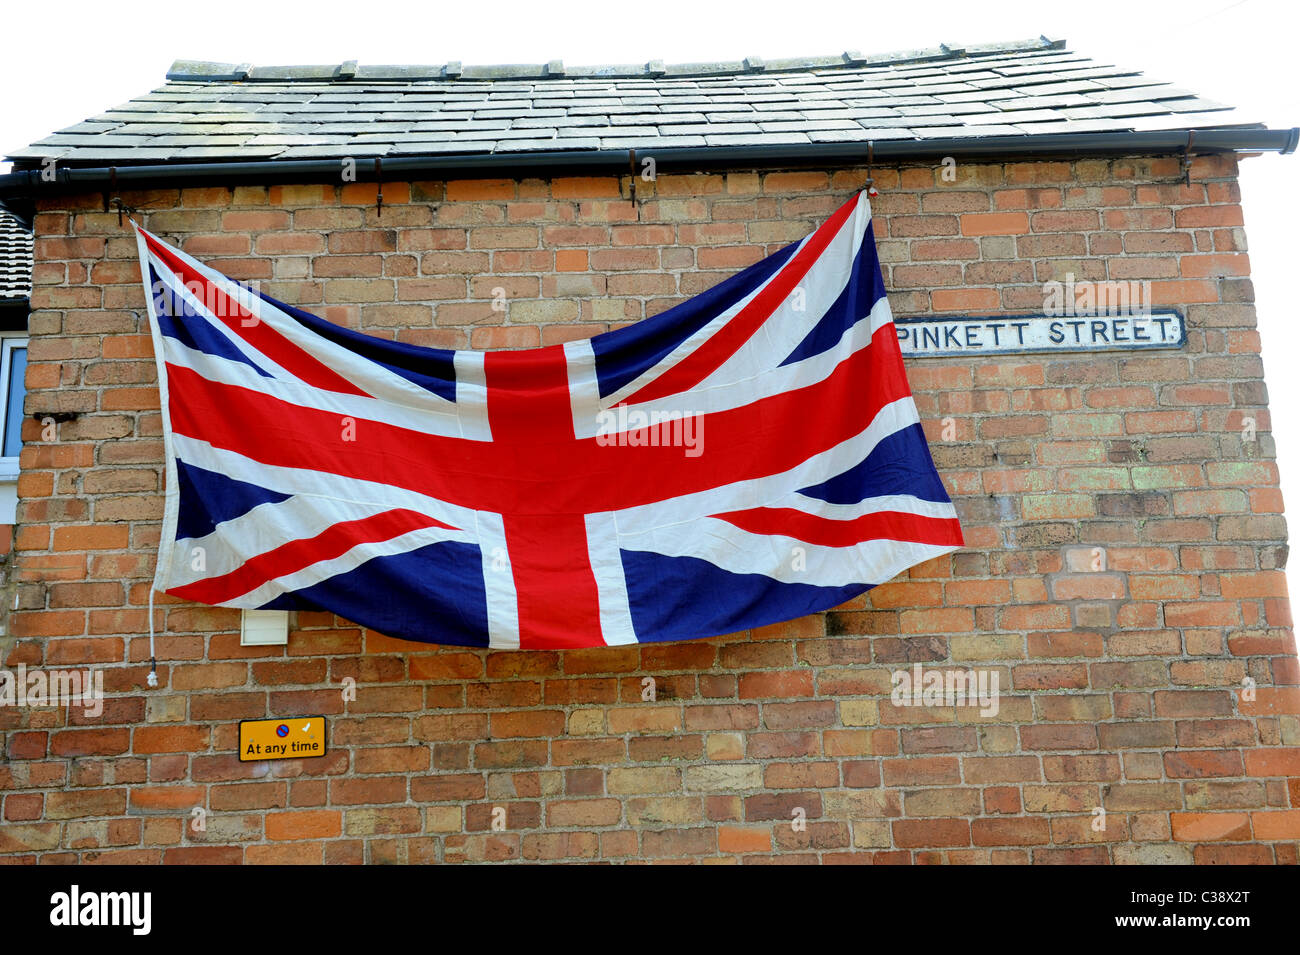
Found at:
(152, 679)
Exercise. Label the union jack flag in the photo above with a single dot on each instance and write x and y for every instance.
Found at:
(747, 457)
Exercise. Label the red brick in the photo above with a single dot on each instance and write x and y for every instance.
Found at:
(995, 223)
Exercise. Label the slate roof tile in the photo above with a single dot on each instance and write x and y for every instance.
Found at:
(237, 111)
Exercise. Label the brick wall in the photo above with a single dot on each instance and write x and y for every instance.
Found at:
(1122, 687)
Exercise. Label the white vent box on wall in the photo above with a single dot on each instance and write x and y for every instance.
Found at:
(264, 628)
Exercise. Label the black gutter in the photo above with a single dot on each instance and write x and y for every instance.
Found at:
(29, 183)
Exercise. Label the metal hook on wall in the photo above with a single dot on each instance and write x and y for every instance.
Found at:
(871, 182)
(122, 208)
(379, 187)
(116, 202)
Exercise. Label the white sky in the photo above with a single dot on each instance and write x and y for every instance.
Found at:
(70, 60)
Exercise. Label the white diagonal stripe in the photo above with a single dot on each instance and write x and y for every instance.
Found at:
(323, 570)
(799, 313)
(324, 484)
(441, 421)
(379, 381)
(786, 559)
(781, 379)
(691, 343)
(762, 492)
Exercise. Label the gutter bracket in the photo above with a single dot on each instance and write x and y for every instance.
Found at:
(115, 201)
(871, 181)
(631, 169)
(1187, 158)
(112, 187)
(379, 185)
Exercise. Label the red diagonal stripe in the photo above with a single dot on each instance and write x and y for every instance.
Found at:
(259, 334)
(288, 558)
(828, 532)
(724, 343)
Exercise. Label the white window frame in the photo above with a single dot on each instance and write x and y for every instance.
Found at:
(8, 342)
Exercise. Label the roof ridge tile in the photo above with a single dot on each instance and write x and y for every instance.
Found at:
(201, 71)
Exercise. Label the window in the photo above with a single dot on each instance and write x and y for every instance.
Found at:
(13, 372)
